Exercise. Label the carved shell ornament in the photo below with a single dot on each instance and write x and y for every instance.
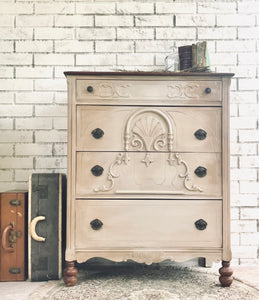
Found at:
(148, 130)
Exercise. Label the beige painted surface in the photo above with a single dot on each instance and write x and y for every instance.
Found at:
(140, 224)
(143, 167)
(150, 124)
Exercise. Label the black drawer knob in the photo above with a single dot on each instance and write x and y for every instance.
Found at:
(201, 224)
(208, 90)
(201, 171)
(90, 89)
(97, 133)
(96, 224)
(97, 170)
(200, 134)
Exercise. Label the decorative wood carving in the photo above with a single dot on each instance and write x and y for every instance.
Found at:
(112, 90)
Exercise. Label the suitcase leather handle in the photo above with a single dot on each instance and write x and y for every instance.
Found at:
(33, 224)
(5, 237)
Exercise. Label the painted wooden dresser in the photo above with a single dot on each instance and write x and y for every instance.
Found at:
(148, 168)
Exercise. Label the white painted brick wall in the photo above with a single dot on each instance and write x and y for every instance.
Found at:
(40, 39)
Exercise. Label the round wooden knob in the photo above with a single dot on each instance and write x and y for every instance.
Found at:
(200, 171)
(90, 89)
(97, 170)
(200, 134)
(208, 90)
(97, 133)
(96, 224)
(201, 224)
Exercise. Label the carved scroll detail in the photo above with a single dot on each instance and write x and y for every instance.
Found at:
(186, 175)
(110, 90)
(183, 90)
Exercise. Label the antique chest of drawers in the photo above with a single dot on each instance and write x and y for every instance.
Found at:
(148, 168)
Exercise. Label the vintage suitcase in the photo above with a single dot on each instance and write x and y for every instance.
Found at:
(46, 240)
(13, 226)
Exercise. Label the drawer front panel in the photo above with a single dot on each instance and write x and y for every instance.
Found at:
(139, 91)
(162, 224)
(157, 174)
(131, 128)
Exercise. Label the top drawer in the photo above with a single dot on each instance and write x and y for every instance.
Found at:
(198, 92)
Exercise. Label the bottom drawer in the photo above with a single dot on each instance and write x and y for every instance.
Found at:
(159, 224)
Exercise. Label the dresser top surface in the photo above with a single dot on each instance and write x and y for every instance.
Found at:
(140, 73)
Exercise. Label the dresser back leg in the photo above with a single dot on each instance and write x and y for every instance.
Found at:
(70, 273)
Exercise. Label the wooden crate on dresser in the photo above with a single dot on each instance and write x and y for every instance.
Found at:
(148, 168)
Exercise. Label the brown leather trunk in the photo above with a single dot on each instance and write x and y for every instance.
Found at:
(13, 221)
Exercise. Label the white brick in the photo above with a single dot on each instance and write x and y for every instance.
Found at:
(50, 85)
(251, 59)
(236, 46)
(59, 71)
(249, 161)
(233, 162)
(60, 149)
(6, 21)
(60, 123)
(234, 239)
(96, 33)
(6, 175)
(74, 21)
(135, 33)
(249, 135)
(152, 46)
(23, 175)
(16, 84)
(244, 149)
(6, 149)
(49, 33)
(117, 46)
(34, 21)
(16, 163)
(250, 238)
(15, 110)
(233, 110)
(34, 46)
(95, 8)
(33, 149)
(16, 33)
(136, 59)
(243, 97)
(244, 252)
(6, 72)
(74, 46)
(54, 8)
(49, 163)
(248, 7)
(175, 33)
(240, 71)
(61, 97)
(249, 213)
(13, 186)
(234, 186)
(15, 59)
(110, 21)
(34, 123)
(6, 46)
(216, 7)
(35, 97)
(154, 20)
(195, 20)
(16, 8)
(248, 84)
(243, 174)
(6, 123)
(6, 97)
(244, 200)
(37, 72)
(51, 110)
(249, 187)
(216, 33)
(243, 123)
(173, 8)
(235, 20)
(135, 8)
(234, 213)
(233, 135)
(54, 59)
(249, 109)
(249, 262)
(223, 59)
(51, 136)
(95, 59)
(243, 226)
(248, 33)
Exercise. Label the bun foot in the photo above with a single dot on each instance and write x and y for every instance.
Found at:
(226, 274)
(70, 273)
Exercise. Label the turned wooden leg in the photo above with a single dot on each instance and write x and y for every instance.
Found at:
(225, 274)
(70, 273)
